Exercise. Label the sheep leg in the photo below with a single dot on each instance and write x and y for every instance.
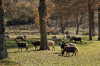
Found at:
(26, 48)
(53, 48)
(72, 54)
(18, 48)
(21, 48)
(75, 53)
(70, 40)
(35, 47)
(75, 41)
(81, 42)
(67, 53)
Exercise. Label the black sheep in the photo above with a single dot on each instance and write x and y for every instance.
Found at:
(68, 36)
(36, 43)
(72, 38)
(62, 45)
(22, 44)
(69, 49)
(77, 39)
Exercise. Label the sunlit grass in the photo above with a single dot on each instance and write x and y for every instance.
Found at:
(88, 55)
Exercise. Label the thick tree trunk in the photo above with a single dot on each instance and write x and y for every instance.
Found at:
(99, 22)
(93, 24)
(3, 50)
(43, 31)
(90, 21)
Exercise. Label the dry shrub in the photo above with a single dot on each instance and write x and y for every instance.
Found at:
(85, 33)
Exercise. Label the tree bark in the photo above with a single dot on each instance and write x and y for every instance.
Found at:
(43, 30)
(90, 23)
(77, 25)
(93, 24)
(99, 22)
(62, 25)
(3, 50)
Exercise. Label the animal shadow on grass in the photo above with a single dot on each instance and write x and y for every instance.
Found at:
(67, 56)
(59, 54)
(18, 51)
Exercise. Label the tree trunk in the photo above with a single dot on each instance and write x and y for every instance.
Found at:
(99, 22)
(77, 25)
(93, 24)
(90, 23)
(62, 26)
(43, 31)
(3, 49)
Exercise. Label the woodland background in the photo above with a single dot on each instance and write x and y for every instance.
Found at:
(63, 17)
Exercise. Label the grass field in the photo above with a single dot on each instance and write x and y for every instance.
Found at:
(88, 54)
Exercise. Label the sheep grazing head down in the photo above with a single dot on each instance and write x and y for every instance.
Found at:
(62, 45)
(70, 49)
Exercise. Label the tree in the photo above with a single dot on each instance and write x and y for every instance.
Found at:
(90, 24)
(93, 23)
(3, 50)
(99, 22)
(43, 31)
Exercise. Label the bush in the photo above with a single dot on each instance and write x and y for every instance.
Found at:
(85, 33)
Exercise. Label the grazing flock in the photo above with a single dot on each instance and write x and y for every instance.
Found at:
(68, 48)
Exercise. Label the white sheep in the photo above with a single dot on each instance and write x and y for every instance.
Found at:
(20, 37)
(57, 39)
(71, 44)
(51, 43)
(53, 37)
(64, 37)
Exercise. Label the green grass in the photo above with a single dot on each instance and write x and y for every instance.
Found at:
(88, 55)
